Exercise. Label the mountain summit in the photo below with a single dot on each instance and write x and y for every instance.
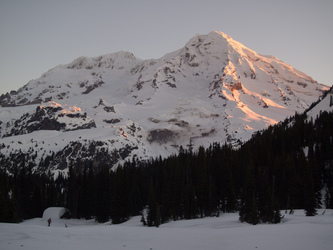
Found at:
(107, 109)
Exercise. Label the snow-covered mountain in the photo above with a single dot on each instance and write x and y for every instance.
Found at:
(103, 110)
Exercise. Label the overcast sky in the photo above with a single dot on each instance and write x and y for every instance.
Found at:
(37, 35)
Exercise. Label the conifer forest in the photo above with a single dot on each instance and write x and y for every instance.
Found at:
(284, 167)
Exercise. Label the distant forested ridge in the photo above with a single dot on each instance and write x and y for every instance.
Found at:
(285, 167)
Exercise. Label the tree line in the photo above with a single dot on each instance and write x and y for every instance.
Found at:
(284, 167)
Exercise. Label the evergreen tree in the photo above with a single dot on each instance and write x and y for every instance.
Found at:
(157, 220)
(152, 207)
(277, 214)
(72, 192)
(5, 201)
(103, 197)
(249, 211)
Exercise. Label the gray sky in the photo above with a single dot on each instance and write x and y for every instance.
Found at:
(37, 35)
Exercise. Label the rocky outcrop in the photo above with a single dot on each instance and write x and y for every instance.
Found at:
(76, 154)
(51, 117)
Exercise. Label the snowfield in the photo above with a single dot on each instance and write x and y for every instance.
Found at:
(226, 232)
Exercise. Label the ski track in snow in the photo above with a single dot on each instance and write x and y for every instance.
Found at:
(295, 232)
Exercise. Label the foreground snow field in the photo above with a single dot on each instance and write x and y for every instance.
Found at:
(295, 232)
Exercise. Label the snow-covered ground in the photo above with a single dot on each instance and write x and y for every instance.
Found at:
(226, 232)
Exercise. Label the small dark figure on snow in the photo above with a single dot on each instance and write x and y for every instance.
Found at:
(49, 221)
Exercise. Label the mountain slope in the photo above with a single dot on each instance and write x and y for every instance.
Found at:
(323, 104)
(212, 89)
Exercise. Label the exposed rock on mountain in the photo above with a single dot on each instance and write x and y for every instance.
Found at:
(51, 117)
